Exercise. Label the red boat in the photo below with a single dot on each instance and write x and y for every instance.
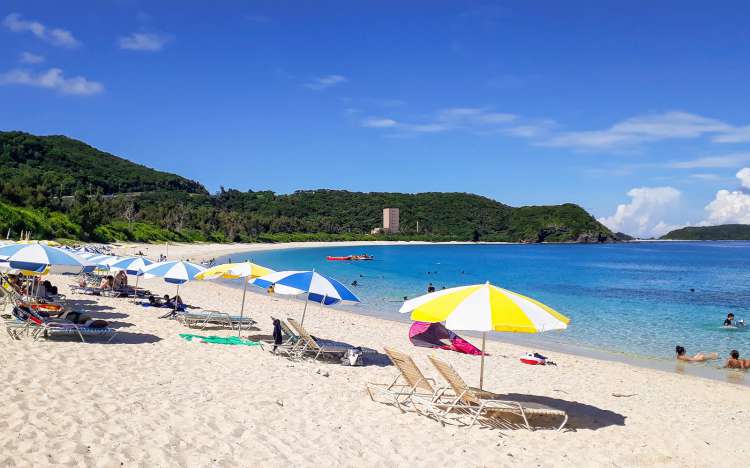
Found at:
(350, 257)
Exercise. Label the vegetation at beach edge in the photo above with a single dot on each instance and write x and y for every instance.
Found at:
(57, 187)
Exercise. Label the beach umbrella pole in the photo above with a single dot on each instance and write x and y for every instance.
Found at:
(307, 299)
(481, 367)
(135, 291)
(242, 309)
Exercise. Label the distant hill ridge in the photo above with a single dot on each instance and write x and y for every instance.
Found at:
(722, 232)
(36, 170)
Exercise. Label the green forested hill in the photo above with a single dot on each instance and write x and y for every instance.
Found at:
(36, 170)
(723, 232)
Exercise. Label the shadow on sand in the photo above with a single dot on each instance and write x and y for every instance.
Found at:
(581, 415)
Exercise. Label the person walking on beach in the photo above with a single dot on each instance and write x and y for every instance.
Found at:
(700, 357)
(430, 288)
(734, 361)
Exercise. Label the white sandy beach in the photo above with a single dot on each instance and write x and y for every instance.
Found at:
(149, 398)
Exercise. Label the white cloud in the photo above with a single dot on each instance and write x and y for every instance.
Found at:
(644, 215)
(325, 82)
(28, 57)
(736, 135)
(744, 176)
(59, 37)
(641, 129)
(730, 207)
(452, 118)
(150, 42)
(713, 162)
(373, 122)
(704, 176)
(52, 79)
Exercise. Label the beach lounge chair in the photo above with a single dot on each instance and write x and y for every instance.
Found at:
(205, 317)
(409, 383)
(39, 326)
(488, 406)
(96, 291)
(308, 345)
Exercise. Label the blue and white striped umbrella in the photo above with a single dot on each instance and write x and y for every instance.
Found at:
(132, 265)
(37, 257)
(175, 272)
(103, 262)
(316, 287)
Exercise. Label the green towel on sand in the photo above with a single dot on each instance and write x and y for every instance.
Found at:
(227, 340)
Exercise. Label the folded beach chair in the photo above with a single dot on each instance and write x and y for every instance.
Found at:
(308, 345)
(414, 389)
(487, 406)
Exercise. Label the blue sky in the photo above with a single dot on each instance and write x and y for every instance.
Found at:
(635, 110)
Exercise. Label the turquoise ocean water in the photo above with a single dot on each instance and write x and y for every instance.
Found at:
(631, 298)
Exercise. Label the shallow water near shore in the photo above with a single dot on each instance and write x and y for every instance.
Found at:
(629, 302)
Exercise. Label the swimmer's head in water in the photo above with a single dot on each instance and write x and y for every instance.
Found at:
(680, 350)
(735, 354)
(730, 315)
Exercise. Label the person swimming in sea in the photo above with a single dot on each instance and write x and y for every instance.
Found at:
(355, 283)
(734, 361)
(700, 357)
(729, 321)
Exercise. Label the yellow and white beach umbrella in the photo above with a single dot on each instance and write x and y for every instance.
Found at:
(484, 308)
(245, 270)
(235, 270)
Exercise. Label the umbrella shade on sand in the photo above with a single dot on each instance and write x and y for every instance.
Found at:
(316, 287)
(245, 270)
(485, 308)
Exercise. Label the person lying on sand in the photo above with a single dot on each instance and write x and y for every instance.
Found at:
(700, 357)
(734, 361)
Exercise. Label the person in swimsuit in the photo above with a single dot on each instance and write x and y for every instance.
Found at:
(729, 321)
(700, 357)
(734, 361)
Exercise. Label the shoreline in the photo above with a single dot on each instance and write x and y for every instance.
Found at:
(151, 398)
(543, 343)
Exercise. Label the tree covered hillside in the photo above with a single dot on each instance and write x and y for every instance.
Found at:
(723, 232)
(36, 170)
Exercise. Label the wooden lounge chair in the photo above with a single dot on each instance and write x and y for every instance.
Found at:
(486, 405)
(415, 384)
(308, 345)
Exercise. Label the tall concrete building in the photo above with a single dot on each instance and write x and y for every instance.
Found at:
(390, 220)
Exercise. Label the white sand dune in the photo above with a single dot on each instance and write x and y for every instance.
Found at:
(149, 398)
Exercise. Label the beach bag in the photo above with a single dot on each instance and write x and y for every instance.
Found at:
(352, 357)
